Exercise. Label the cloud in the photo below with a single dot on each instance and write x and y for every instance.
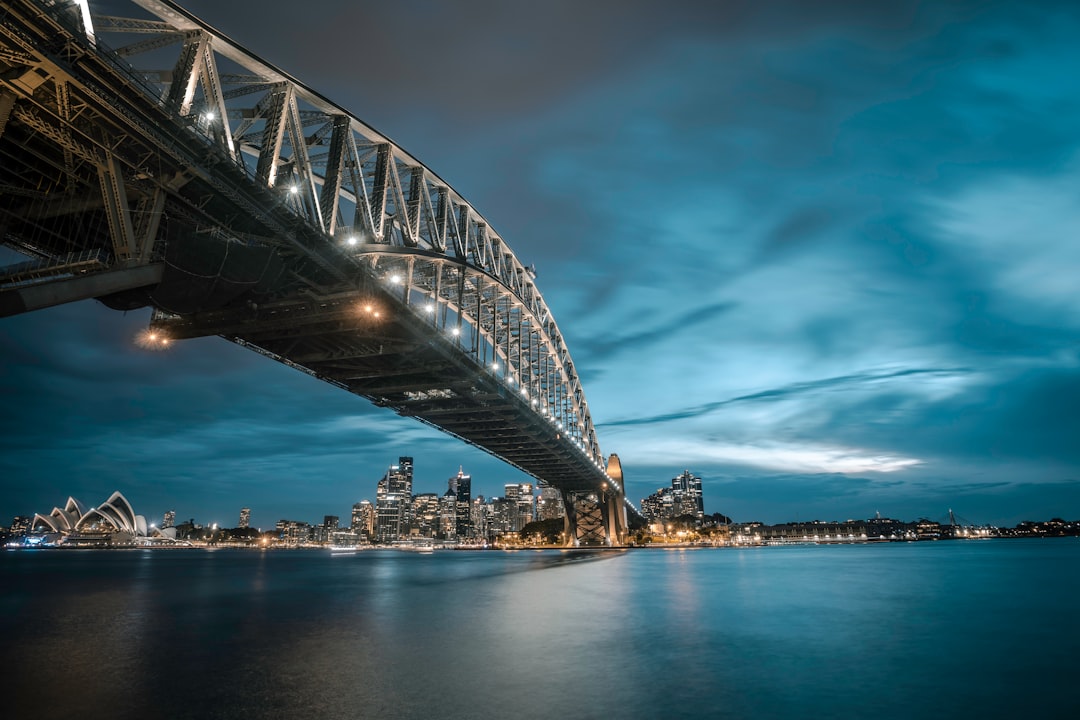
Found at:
(813, 386)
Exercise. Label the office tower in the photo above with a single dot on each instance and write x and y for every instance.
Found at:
(245, 518)
(549, 506)
(448, 515)
(169, 520)
(393, 501)
(461, 487)
(478, 516)
(520, 505)
(687, 498)
(425, 514)
(363, 519)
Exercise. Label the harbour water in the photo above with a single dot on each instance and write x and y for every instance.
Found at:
(973, 628)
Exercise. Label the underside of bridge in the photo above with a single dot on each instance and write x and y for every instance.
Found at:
(237, 202)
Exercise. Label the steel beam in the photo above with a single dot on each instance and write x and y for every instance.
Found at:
(58, 292)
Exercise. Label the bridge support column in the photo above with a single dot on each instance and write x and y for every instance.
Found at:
(615, 522)
(569, 520)
(584, 520)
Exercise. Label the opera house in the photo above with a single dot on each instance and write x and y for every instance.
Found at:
(112, 523)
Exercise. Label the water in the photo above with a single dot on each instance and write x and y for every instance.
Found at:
(984, 628)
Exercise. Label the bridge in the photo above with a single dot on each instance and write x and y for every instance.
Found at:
(148, 161)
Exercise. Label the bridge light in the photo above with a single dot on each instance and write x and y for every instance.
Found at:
(456, 331)
(351, 240)
(368, 308)
(396, 279)
(209, 116)
(429, 308)
(494, 366)
(294, 189)
(376, 313)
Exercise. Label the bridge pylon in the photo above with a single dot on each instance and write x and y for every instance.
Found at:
(597, 518)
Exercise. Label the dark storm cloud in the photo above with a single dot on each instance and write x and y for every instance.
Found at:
(602, 347)
(782, 393)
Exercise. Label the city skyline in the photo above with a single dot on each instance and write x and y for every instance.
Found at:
(821, 256)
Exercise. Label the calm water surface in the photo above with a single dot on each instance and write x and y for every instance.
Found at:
(982, 628)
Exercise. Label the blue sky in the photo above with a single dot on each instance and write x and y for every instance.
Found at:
(825, 257)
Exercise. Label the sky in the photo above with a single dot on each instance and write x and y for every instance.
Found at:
(823, 255)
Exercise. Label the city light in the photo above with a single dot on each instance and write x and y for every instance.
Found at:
(152, 340)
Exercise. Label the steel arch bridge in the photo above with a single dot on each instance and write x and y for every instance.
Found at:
(148, 160)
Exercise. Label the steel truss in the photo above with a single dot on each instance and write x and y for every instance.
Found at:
(243, 139)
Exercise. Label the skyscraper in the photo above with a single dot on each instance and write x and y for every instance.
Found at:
(461, 487)
(684, 497)
(425, 514)
(169, 520)
(520, 505)
(245, 518)
(549, 506)
(687, 500)
(363, 519)
(393, 501)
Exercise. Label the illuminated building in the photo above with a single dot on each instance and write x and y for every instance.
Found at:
(20, 524)
(684, 497)
(393, 502)
(169, 520)
(549, 506)
(448, 515)
(521, 505)
(461, 487)
(363, 519)
(293, 532)
(425, 515)
(245, 518)
(111, 523)
(478, 516)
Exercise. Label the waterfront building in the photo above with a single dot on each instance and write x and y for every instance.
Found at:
(686, 496)
(169, 520)
(656, 507)
(113, 522)
(363, 519)
(20, 524)
(245, 518)
(393, 502)
(425, 515)
(294, 532)
(683, 498)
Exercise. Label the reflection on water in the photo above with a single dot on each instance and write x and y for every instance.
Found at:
(774, 632)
